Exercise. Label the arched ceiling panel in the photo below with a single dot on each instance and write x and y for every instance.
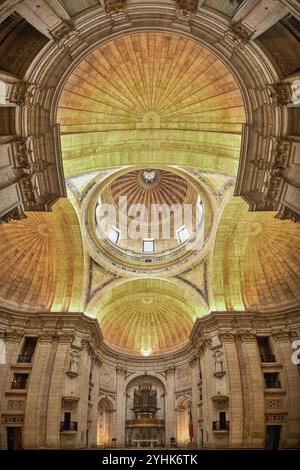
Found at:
(151, 98)
(256, 260)
(41, 265)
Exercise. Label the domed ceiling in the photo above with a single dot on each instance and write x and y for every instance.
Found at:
(151, 98)
(147, 316)
(149, 187)
(150, 101)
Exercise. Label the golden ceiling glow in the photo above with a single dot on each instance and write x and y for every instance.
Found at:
(41, 261)
(147, 316)
(151, 98)
(256, 260)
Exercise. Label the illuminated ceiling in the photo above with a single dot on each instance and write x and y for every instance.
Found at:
(147, 316)
(151, 98)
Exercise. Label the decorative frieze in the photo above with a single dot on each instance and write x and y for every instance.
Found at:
(276, 418)
(11, 419)
(16, 404)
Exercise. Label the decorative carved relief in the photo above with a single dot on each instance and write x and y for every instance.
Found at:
(281, 93)
(115, 6)
(62, 32)
(247, 337)
(74, 364)
(239, 34)
(21, 93)
(273, 403)
(12, 419)
(16, 404)
(219, 363)
(276, 419)
(187, 6)
(226, 337)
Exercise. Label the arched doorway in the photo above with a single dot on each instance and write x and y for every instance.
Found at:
(183, 421)
(145, 412)
(104, 423)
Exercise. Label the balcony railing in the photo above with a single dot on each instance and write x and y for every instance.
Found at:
(25, 358)
(267, 358)
(18, 384)
(220, 425)
(273, 384)
(68, 426)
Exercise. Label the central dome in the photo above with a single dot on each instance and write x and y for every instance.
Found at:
(148, 188)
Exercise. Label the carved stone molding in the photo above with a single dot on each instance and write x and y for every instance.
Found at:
(276, 418)
(66, 339)
(120, 371)
(226, 337)
(187, 6)
(13, 337)
(281, 93)
(16, 404)
(282, 335)
(63, 31)
(45, 338)
(247, 337)
(115, 6)
(21, 93)
(11, 419)
(239, 34)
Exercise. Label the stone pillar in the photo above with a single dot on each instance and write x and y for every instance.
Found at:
(236, 416)
(12, 346)
(120, 406)
(290, 381)
(195, 398)
(60, 366)
(170, 416)
(94, 411)
(253, 391)
(35, 426)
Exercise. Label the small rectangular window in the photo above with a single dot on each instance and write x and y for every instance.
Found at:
(148, 245)
(114, 235)
(182, 234)
(272, 380)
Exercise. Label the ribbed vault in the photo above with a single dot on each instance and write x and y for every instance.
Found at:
(151, 97)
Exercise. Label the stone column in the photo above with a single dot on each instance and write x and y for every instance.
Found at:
(253, 391)
(35, 426)
(12, 346)
(236, 416)
(55, 391)
(290, 381)
(170, 416)
(120, 406)
(195, 398)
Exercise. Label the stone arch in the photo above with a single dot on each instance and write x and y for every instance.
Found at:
(183, 406)
(105, 421)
